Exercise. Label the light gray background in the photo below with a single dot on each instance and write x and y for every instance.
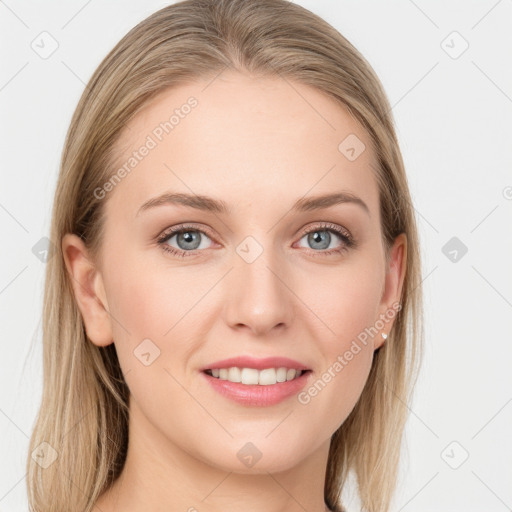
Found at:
(453, 116)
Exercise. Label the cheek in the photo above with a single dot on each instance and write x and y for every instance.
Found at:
(149, 300)
(149, 306)
(156, 302)
(346, 302)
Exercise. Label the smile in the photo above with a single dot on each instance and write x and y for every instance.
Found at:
(251, 376)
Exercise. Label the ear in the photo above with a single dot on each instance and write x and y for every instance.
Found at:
(88, 289)
(392, 293)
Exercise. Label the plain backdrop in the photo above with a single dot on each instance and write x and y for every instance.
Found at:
(446, 68)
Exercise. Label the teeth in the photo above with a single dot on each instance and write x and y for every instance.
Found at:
(281, 375)
(234, 375)
(252, 376)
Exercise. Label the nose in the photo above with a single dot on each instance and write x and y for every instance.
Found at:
(258, 297)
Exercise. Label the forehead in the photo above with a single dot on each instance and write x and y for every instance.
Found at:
(241, 136)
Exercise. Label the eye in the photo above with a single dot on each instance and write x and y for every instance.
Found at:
(190, 239)
(320, 238)
(187, 238)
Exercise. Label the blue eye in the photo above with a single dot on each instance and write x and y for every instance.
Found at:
(190, 238)
(321, 236)
(187, 238)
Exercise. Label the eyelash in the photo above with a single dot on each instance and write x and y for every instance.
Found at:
(348, 240)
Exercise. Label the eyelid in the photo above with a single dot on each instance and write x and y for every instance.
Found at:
(169, 232)
(340, 230)
(306, 230)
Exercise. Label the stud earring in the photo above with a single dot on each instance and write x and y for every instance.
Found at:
(384, 335)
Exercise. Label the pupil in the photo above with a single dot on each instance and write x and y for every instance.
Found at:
(319, 236)
(189, 237)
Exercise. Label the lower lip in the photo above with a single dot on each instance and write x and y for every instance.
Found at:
(255, 394)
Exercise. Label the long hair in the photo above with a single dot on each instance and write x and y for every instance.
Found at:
(83, 414)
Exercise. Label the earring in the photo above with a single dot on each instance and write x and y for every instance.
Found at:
(384, 335)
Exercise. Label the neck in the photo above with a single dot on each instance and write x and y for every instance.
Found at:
(159, 476)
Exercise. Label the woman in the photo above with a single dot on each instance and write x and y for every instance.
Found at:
(201, 351)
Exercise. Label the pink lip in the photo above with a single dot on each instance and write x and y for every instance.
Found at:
(257, 364)
(256, 395)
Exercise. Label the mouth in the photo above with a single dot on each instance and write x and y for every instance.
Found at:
(253, 376)
(257, 382)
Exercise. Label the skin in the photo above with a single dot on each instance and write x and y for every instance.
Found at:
(259, 145)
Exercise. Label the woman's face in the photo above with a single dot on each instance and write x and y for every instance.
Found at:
(244, 278)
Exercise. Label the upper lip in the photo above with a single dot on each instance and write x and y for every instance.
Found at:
(258, 364)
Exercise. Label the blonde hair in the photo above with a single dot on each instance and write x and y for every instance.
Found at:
(85, 401)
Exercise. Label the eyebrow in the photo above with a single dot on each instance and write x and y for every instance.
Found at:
(205, 203)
